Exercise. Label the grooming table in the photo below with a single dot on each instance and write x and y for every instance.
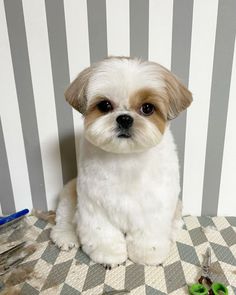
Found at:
(73, 273)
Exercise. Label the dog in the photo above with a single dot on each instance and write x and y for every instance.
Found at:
(124, 202)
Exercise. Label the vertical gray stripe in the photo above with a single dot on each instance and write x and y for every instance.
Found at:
(6, 192)
(139, 26)
(97, 29)
(223, 58)
(181, 47)
(60, 70)
(20, 59)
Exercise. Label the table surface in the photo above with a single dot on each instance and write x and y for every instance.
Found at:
(59, 272)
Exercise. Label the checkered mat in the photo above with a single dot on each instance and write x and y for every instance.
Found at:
(72, 273)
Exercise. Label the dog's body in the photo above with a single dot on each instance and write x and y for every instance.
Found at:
(124, 202)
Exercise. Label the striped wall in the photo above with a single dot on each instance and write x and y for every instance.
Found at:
(44, 44)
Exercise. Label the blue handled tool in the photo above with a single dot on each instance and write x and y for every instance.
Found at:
(14, 216)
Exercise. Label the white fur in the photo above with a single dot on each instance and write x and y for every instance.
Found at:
(135, 194)
(117, 79)
(102, 133)
(127, 188)
(63, 233)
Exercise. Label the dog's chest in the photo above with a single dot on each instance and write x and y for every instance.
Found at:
(121, 189)
(121, 181)
(127, 187)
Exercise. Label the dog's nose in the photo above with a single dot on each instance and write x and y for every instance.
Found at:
(124, 121)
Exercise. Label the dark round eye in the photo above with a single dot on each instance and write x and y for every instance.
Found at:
(147, 109)
(105, 106)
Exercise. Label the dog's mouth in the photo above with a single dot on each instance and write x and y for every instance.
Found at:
(124, 132)
(124, 135)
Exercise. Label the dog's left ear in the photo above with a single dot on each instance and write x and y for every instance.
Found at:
(178, 96)
(76, 92)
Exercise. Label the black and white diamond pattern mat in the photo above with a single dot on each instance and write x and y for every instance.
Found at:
(73, 273)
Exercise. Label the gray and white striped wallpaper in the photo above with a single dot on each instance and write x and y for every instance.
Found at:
(44, 44)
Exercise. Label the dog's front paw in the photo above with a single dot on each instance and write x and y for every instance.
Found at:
(148, 253)
(110, 266)
(64, 239)
(109, 255)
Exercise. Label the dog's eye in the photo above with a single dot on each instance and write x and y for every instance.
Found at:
(147, 109)
(105, 106)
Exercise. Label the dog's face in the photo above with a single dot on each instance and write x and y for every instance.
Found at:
(127, 103)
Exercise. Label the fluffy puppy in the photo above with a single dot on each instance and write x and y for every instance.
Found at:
(124, 202)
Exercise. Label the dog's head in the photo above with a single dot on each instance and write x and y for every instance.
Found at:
(127, 103)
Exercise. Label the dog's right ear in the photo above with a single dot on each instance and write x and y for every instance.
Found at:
(76, 92)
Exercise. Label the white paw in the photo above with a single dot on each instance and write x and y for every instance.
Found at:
(148, 253)
(110, 266)
(64, 239)
(109, 255)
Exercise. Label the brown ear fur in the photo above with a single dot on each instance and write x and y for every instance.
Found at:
(76, 92)
(179, 97)
(176, 96)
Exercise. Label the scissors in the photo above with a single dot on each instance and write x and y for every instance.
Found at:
(215, 288)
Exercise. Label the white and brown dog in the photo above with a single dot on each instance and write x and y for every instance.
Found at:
(124, 202)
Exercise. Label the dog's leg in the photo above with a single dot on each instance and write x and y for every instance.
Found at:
(101, 241)
(148, 247)
(177, 222)
(150, 243)
(63, 234)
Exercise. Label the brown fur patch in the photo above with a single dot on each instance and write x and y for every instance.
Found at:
(179, 96)
(147, 95)
(11, 291)
(91, 116)
(48, 216)
(93, 112)
(19, 275)
(75, 94)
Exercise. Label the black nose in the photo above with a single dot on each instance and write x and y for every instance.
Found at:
(124, 121)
